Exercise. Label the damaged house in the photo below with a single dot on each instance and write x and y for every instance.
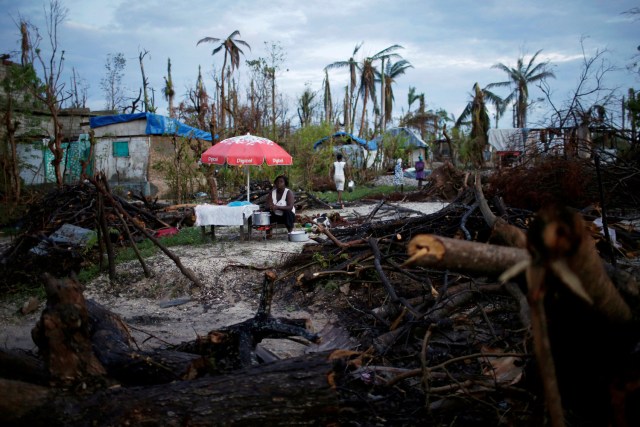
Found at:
(128, 145)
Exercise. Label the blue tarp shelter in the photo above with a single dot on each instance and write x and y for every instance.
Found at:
(409, 136)
(359, 151)
(347, 137)
(156, 125)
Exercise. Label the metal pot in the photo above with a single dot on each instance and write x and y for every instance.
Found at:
(260, 218)
(298, 236)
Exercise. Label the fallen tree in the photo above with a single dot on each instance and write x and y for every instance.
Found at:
(298, 390)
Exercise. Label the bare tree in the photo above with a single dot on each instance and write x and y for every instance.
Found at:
(78, 92)
(51, 92)
(480, 124)
(276, 59)
(15, 104)
(146, 100)
(263, 95)
(259, 93)
(590, 102)
(134, 103)
(632, 105)
(111, 83)
(25, 45)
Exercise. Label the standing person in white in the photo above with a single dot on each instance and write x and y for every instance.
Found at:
(338, 170)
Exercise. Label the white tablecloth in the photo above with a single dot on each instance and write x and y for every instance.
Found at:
(223, 215)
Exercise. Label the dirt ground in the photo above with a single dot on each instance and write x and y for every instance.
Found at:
(168, 308)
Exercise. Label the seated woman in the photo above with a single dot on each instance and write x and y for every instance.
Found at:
(281, 204)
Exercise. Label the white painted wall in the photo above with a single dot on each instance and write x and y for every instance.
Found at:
(136, 127)
(31, 158)
(123, 169)
(117, 169)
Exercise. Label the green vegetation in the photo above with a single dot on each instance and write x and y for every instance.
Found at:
(187, 236)
(88, 273)
(359, 193)
(308, 164)
(181, 172)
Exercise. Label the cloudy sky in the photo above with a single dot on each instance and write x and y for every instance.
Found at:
(451, 44)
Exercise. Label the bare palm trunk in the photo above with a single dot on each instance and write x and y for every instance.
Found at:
(382, 118)
(353, 112)
(253, 101)
(364, 112)
(347, 110)
(222, 98)
(169, 92)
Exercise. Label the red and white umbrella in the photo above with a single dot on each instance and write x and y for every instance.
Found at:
(247, 150)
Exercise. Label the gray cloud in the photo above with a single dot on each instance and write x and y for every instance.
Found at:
(452, 45)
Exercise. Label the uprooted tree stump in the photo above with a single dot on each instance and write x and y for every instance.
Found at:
(87, 350)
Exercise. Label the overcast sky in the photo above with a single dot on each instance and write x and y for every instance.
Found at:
(451, 44)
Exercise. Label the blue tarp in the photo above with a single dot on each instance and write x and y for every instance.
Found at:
(369, 145)
(411, 139)
(156, 125)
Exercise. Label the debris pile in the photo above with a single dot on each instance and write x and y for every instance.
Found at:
(462, 317)
(441, 337)
(73, 224)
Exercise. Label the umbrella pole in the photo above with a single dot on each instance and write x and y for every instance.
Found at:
(248, 188)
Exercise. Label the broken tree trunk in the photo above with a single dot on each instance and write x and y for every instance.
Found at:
(234, 346)
(76, 336)
(23, 366)
(573, 305)
(445, 253)
(106, 237)
(63, 335)
(299, 390)
(117, 351)
(501, 231)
